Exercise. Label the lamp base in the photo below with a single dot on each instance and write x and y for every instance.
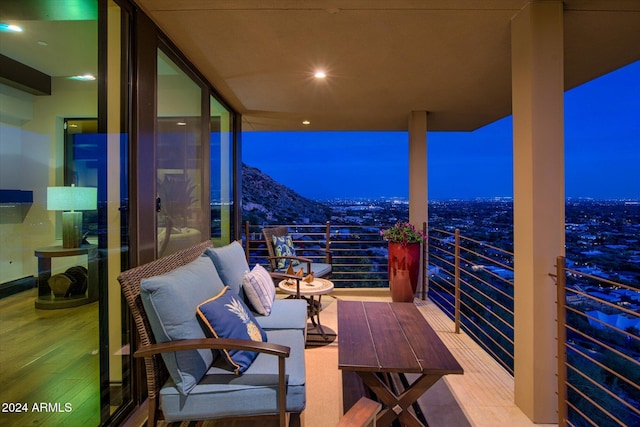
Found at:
(71, 229)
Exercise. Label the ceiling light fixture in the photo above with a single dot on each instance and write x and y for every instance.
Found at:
(84, 77)
(320, 75)
(10, 28)
(306, 122)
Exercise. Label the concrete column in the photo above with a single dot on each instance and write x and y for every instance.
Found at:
(418, 182)
(538, 151)
(418, 195)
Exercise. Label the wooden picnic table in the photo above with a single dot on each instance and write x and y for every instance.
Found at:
(381, 338)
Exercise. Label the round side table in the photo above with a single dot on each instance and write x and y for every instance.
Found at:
(45, 299)
(309, 291)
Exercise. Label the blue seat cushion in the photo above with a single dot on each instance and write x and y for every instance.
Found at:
(319, 269)
(221, 393)
(231, 264)
(226, 316)
(285, 314)
(170, 302)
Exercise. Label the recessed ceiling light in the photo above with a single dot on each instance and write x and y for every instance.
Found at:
(320, 75)
(181, 123)
(84, 77)
(306, 122)
(10, 28)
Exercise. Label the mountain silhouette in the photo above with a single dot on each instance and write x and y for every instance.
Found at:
(266, 201)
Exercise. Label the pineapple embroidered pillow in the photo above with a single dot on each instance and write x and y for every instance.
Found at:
(227, 316)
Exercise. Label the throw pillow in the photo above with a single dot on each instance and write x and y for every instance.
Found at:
(226, 316)
(231, 263)
(259, 289)
(283, 246)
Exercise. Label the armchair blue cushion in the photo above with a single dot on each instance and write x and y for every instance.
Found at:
(170, 301)
(252, 393)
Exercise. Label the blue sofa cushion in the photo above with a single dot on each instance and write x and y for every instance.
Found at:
(170, 301)
(285, 314)
(283, 246)
(231, 264)
(259, 289)
(226, 316)
(222, 394)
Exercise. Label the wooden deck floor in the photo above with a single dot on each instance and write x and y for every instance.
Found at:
(482, 397)
(51, 355)
(484, 394)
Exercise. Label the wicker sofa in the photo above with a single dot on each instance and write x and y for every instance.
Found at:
(188, 374)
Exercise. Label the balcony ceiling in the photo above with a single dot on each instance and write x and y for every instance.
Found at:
(383, 58)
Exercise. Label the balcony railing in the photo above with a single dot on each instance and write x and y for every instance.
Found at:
(598, 350)
(359, 253)
(472, 282)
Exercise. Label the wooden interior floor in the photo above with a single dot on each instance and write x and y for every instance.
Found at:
(48, 357)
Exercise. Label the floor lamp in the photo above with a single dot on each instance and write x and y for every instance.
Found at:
(70, 200)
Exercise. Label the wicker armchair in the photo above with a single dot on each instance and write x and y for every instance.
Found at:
(157, 373)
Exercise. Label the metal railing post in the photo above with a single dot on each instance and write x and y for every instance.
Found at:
(562, 339)
(246, 239)
(327, 244)
(424, 261)
(457, 281)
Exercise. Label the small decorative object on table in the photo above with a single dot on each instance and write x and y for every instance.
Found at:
(308, 278)
(404, 254)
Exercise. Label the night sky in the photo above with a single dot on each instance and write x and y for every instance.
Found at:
(602, 153)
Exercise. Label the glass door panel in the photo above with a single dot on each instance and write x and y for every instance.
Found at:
(179, 154)
(50, 348)
(221, 149)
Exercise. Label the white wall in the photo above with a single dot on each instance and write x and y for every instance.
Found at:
(31, 158)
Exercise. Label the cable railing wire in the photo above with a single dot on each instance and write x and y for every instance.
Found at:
(598, 361)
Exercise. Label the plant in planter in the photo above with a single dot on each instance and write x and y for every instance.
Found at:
(176, 199)
(403, 259)
(402, 232)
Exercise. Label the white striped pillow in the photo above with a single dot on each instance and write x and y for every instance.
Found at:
(259, 289)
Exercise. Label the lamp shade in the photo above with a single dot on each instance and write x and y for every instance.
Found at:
(72, 198)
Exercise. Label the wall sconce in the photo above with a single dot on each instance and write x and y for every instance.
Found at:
(72, 199)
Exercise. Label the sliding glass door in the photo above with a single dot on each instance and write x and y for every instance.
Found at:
(64, 351)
